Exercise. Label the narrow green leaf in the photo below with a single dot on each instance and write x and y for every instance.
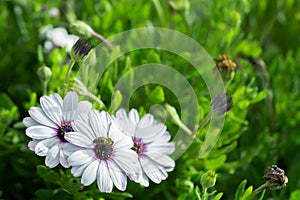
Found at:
(240, 190)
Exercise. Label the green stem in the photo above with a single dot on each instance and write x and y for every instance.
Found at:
(258, 190)
(44, 87)
(88, 94)
(203, 123)
(97, 35)
(71, 64)
(204, 193)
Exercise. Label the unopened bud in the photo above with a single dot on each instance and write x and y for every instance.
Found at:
(276, 178)
(221, 104)
(224, 63)
(80, 49)
(81, 29)
(208, 179)
(44, 73)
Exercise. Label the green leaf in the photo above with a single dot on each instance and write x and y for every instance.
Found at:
(117, 100)
(295, 195)
(157, 95)
(174, 115)
(218, 196)
(215, 163)
(240, 190)
(115, 53)
(48, 175)
(247, 193)
(260, 96)
(198, 193)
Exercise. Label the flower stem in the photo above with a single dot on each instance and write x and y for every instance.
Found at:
(203, 123)
(97, 35)
(71, 64)
(204, 193)
(258, 190)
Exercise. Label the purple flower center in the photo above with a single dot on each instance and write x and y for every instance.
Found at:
(103, 148)
(64, 128)
(138, 146)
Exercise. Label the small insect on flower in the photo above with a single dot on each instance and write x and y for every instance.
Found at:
(224, 63)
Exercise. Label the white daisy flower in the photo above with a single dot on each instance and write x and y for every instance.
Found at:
(151, 143)
(47, 126)
(103, 153)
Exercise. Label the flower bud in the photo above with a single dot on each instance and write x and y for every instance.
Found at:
(80, 49)
(221, 104)
(81, 29)
(276, 178)
(44, 73)
(208, 179)
(224, 63)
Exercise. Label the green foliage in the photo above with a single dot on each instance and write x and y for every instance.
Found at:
(260, 130)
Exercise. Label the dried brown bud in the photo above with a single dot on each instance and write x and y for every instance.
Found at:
(223, 62)
(276, 177)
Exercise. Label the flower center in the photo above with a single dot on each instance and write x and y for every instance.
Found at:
(103, 148)
(138, 146)
(64, 128)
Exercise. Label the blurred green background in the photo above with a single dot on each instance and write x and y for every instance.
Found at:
(262, 129)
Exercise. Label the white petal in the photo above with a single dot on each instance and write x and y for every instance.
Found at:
(152, 170)
(82, 126)
(51, 109)
(78, 139)
(68, 148)
(80, 157)
(63, 160)
(96, 125)
(90, 173)
(121, 114)
(57, 99)
(52, 158)
(151, 132)
(70, 104)
(121, 141)
(134, 116)
(125, 126)
(166, 148)
(83, 107)
(146, 121)
(118, 177)
(126, 160)
(38, 115)
(143, 180)
(78, 170)
(28, 121)
(40, 132)
(41, 149)
(104, 181)
(161, 159)
(105, 121)
(164, 138)
(32, 144)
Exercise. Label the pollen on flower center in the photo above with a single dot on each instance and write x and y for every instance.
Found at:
(103, 148)
(64, 128)
(138, 146)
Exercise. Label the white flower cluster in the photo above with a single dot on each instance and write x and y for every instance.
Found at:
(99, 146)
